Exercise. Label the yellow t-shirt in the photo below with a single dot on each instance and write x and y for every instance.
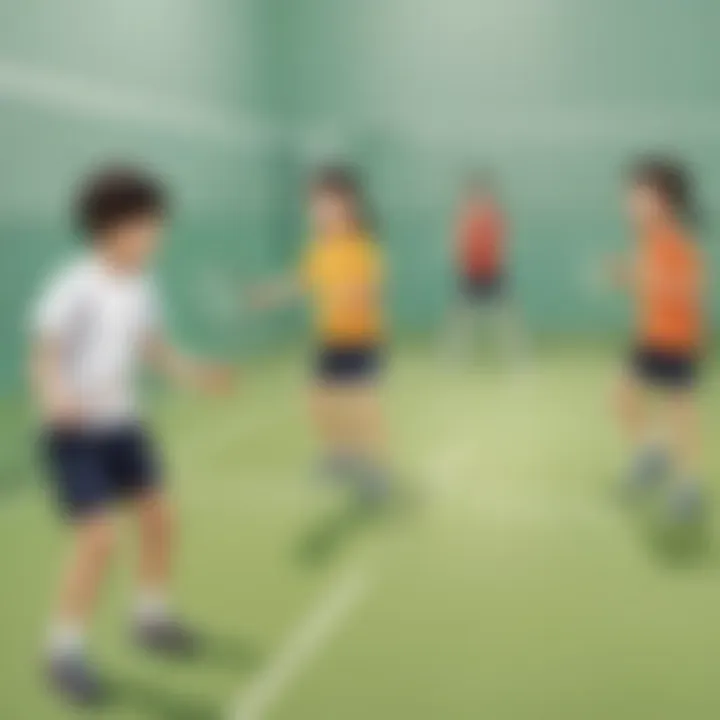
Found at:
(343, 275)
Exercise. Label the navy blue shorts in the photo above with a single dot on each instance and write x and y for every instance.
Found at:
(665, 369)
(483, 287)
(348, 364)
(92, 470)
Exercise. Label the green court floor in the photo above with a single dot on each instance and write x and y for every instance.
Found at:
(510, 587)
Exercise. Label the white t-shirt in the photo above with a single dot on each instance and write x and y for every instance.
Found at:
(100, 320)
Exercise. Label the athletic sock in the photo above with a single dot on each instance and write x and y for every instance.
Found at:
(686, 498)
(374, 478)
(650, 461)
(66, 638)
(342, 461)
(151, 605)
(690, 486)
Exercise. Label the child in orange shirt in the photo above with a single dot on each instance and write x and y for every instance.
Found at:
(665, 280)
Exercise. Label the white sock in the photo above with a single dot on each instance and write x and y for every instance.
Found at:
(66, 638)
(151, 604)
(650, 457)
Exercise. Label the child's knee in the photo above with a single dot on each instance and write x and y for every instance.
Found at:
(625, 400)
(98, 539)
(684, 411)
(157, 518)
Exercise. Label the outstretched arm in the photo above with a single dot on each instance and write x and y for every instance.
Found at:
(621, 271)
(278, 292)
(210, 377)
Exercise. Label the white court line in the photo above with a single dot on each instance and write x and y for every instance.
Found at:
(306, 642)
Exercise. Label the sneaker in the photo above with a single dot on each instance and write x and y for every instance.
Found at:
(650, 469)
(165, 635)
(686, 503)
(338, 467)
(71, 677)
(372, 485)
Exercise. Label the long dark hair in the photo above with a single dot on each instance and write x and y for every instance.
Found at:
(673, 181)
(344, 181)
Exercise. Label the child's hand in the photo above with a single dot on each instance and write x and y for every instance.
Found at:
(259, 298)
(274, 294)
(217, 379)
(618, 271)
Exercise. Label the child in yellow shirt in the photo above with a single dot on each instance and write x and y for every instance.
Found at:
(342, 276)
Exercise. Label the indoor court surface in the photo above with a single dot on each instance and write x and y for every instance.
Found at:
(510, 583)
(507, 580)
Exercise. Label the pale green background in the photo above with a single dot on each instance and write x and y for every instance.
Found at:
(555, 95)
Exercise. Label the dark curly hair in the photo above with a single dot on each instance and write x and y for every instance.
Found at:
(115, 194)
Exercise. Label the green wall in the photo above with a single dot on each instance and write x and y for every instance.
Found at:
(233, 99)
(555, 95)
(179, 85)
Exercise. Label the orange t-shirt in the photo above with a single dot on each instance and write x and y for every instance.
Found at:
(481, 239)
(669, 291)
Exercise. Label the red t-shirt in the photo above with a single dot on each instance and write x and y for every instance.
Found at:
(481, 241)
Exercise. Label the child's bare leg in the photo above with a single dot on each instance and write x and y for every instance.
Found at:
(92, 548)
(365, 413)
(686, 499)
(510, 333)
(462, 329)
(156, 529)
(324, 407)
(685, 433)
(648, 453)
(155, 625)
(632, 411)
(327, 404)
